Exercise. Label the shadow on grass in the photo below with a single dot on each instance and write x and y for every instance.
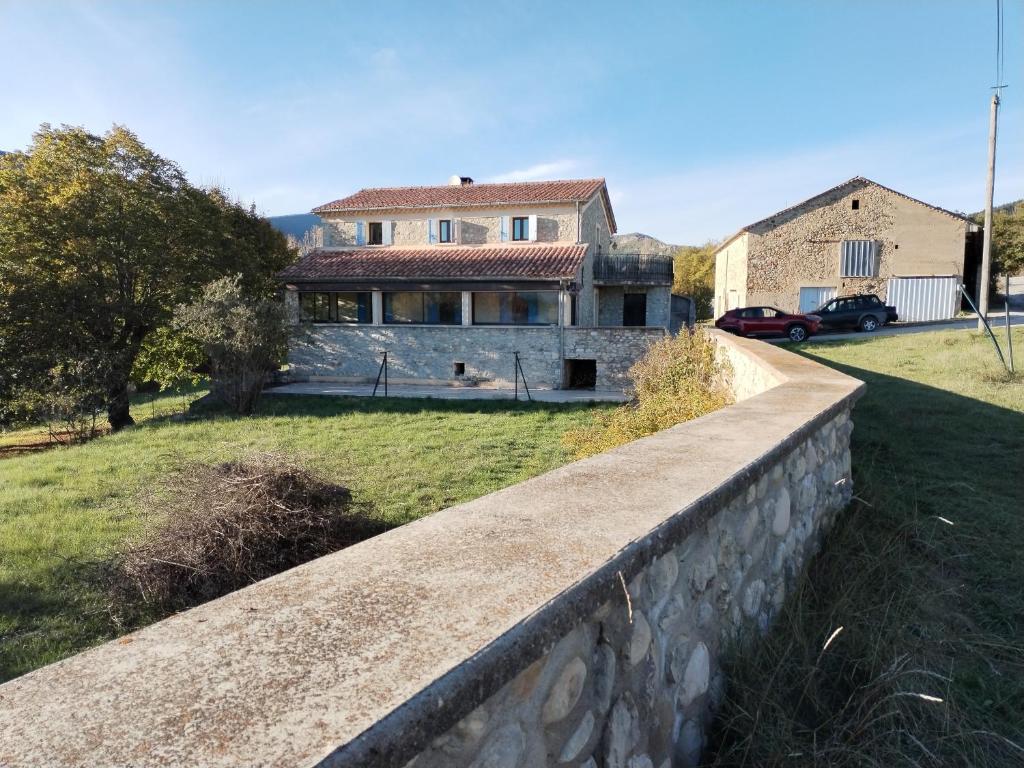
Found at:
(48, 620)
(924, 574)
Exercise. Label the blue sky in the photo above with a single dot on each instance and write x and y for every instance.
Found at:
(703, 116)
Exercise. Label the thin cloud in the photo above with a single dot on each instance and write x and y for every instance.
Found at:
(553, 170)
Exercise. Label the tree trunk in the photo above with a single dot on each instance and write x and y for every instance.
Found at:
(118, 413)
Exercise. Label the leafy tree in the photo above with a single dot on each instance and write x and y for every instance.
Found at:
(100, 238)
(243, 337)
(1008, 239)
(694, 276)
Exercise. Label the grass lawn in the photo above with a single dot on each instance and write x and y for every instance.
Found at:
(924, 573)
(63, 510)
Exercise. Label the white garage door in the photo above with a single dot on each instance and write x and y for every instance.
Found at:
(919, 299)
(812, 298)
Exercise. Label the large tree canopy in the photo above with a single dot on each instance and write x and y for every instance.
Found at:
(100, 238)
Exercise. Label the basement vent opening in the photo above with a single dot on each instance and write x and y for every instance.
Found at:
(460, 369)
(856, 204)
(580, 374)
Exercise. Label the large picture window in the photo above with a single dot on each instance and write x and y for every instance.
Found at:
(428, 307)
(335, 307)
(515, 308)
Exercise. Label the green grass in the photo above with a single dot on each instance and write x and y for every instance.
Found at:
(927, 606)
(66, 509)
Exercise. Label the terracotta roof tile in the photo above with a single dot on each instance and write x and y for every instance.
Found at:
(383, 198)
(482, 262)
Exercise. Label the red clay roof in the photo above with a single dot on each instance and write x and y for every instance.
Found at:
(378, 198)
(481, 262)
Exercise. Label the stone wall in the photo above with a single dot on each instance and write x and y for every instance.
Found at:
(595, 231)
(427, 354)
(614, 349)
(636, 683)
(580, 618)
(610, 301)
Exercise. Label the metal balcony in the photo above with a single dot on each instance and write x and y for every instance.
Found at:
(632, 269)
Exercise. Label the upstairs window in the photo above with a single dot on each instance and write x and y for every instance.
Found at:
(376, 233)
(858, 258)
(856, 204)
(444, 230)
(520, 227)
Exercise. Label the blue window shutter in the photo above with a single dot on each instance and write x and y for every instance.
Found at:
(360, 233)
(504, 228)
(431, 231)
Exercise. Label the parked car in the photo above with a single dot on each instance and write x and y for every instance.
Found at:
(768, 321)
(865, 312)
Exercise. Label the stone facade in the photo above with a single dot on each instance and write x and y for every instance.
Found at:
(610, 300)
(425, 354)
(770, 261)
(555, 224)
(636, 684)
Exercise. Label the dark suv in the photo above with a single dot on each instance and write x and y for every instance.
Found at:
(865, 312)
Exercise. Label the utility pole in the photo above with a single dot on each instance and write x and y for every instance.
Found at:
(986, 247)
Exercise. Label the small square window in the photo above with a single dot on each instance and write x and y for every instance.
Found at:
(444, 230)
(856, 204)
(376, 233)
(520, 228)
(460, 369)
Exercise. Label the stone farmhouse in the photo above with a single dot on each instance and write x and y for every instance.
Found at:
(453, 281)
(858, 237)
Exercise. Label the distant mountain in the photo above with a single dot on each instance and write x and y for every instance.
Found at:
(295, 224)
(637, 242)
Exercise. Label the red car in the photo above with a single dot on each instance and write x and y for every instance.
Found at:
(768, 321)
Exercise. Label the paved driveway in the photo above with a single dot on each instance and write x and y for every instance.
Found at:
(997, 321)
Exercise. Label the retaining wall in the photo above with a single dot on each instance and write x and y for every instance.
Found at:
(577, 619)
(426, 353)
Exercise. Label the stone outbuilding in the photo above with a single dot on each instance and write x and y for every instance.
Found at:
(858, 237)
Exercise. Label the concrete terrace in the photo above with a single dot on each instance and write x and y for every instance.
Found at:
(442, 392)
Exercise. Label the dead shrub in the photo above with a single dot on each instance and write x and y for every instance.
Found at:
(678, 379)
(217, 528)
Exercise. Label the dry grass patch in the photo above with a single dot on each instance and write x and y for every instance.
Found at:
(679, 379)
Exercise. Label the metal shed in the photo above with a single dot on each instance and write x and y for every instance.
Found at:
(925, 297)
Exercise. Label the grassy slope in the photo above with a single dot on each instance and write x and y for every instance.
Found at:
(64, 509)
(939, 434)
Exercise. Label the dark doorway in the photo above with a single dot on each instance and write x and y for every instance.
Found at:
(634, 309)
(972, 267)
(580, 374)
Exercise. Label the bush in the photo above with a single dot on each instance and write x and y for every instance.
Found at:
(243, 337)
(679, 379)
(221, 527)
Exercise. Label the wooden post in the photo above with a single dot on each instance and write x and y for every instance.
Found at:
(986, 248)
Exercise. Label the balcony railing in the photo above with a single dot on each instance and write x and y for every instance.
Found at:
(633, 268)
